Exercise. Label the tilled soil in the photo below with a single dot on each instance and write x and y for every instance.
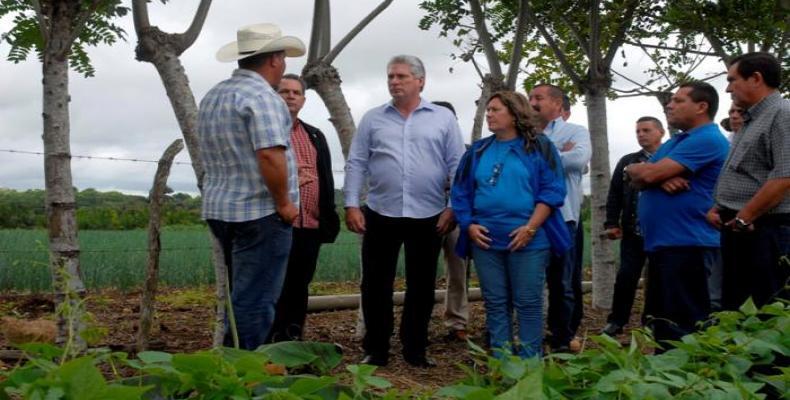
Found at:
(184, 323)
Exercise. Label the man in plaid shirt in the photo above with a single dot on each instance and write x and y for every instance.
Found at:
(752, 204)
(250, 190)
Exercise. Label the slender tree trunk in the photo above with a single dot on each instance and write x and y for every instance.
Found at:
(162, 50)
(603, 260)
(491, 84)
(60, 200)
(155, 200)
(325, 80)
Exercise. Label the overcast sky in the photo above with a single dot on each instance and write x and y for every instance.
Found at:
(123, 111)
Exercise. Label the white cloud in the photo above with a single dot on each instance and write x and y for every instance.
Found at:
(124, 112)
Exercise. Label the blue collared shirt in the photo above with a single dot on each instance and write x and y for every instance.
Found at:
(406, 162)
(573, 162)
(237, 117)
(679, 219)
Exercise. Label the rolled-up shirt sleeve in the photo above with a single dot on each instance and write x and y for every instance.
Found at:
(577, 158)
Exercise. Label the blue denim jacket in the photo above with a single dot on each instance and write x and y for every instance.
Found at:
(553, 195)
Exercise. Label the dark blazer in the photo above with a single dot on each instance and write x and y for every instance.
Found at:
(328, 220)
(622, 201)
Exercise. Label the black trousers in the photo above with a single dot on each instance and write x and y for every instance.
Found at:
(292, 306)
(752, 262)
(564, 282)
(381, 245)
(632, 260)
(578, 294)
(677, 289)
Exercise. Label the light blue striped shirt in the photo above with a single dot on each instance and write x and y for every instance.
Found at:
(237, 117)
(573, 162)
(406, 162)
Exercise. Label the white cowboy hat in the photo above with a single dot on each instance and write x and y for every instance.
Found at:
(257, 39)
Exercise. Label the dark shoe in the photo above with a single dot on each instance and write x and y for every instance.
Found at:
(561, 349)
(370, 359)
(457, 335)
(419, 361)
(612, 329)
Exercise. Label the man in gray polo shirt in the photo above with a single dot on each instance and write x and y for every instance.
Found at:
(752, 204)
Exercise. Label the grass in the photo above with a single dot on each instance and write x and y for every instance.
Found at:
(117, 259)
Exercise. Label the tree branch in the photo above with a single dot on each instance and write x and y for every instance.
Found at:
(140, 15)
(42, 25)
(361, 25)
(670, 48)
(485, 39)
(191, 34)
(518, 42)
(594, 52)
(81, 21)
(320, 17)
(576, 35)
(565, 64)
(622, 29)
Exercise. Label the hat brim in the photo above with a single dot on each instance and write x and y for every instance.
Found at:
(292, 46)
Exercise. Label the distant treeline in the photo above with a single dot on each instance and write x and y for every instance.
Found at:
(101, 210)
(97, 210)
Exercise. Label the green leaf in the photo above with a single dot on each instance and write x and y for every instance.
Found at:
(153, 357)
(323, 356)
(748, 308)
(529, 388)
(466, 392)
(83, 379)
(309, 385)
(119, 392)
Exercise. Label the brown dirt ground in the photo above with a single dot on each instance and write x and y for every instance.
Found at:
(184, 324)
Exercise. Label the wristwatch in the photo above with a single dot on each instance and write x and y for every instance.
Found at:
(741, 225)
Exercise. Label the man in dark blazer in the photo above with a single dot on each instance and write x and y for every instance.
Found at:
(317, 221)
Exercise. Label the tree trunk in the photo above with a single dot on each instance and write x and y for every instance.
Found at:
(491, 84)
(155, 200)
(60, 201)
(162, 50)
(603, 260)
(325, 80)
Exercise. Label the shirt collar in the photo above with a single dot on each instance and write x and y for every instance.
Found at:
(245, 73)
(767, 102)
(554, 124)
(695, 129)
(424, 104)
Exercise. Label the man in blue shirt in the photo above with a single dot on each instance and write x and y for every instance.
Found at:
(677, 183)
(251, 192)
(564, 276)
(405, 150)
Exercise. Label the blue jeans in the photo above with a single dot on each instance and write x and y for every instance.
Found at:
(513, 279)
(256, 253)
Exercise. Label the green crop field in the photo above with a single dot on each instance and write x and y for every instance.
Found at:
(117, 259)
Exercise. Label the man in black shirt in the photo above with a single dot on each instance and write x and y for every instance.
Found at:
(621, 223)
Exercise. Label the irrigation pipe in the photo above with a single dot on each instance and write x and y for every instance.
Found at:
(351, 301)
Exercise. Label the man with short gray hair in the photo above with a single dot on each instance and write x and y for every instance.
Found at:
(405, 150)
(752, 204)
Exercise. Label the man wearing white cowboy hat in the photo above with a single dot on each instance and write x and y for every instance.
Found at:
(250, 189)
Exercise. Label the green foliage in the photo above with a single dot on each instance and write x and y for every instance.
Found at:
(730, 27)
(214, 374)
(97, 210)
(25, 36)
(744, 355)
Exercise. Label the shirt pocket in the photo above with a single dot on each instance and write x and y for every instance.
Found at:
(745, 148)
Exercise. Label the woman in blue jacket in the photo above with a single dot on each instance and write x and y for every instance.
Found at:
(505, 192)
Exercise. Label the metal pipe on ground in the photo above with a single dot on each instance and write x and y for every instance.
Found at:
(351, 301)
